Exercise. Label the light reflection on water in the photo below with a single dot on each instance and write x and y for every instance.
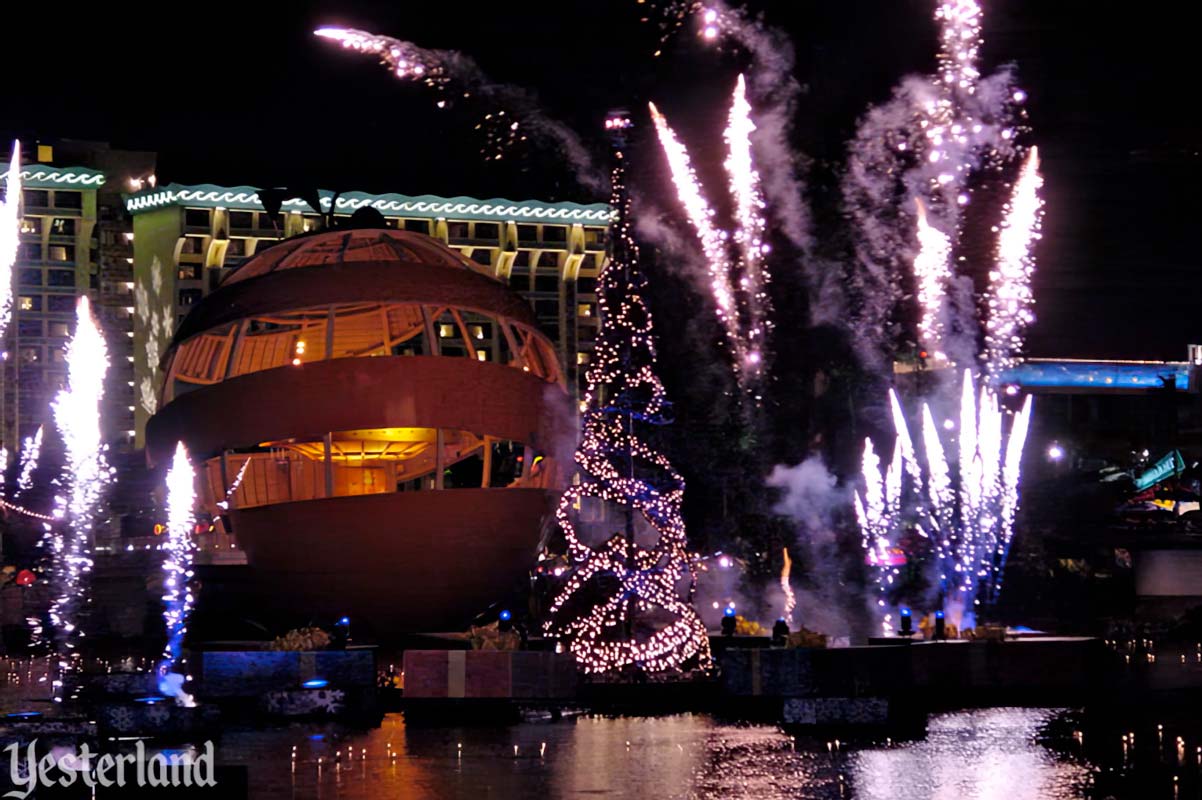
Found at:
(989, 754)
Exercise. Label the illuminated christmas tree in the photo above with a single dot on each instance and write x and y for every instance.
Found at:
(626, 601)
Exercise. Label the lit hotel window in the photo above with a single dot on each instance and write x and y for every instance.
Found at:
(582, 358)
(477, 331)
(446, 331)
(482, 355)
(584, 310)
(27, 303)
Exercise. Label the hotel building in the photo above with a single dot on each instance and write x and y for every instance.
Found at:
(188, 238)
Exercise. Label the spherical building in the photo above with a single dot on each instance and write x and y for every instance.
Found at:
(377, 418)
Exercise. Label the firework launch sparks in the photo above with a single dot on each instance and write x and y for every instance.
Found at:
(10, 234)
(739, 285)
(749, 220)
(972, 528)
(790, 599)
(1010, 298)
(179, 550)
(84, 479)
(712, 240)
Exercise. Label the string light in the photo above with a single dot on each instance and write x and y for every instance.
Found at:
(179, 550)
(23, 510)
(229, 493)
(619, 468)
(743, 306)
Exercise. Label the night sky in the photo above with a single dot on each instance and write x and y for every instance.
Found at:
(229, 95)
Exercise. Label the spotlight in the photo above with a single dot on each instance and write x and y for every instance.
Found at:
(505, 621)
(315, 683)
(940, 626)
(728, 621)
(780, 633)
(1055, 452)
(907, 623)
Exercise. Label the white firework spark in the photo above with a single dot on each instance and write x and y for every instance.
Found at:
(932, 273)
(31, 449)
(84, 479)
(739, 285)
(10, 235)
(745, 188)
(711, 238)
(1010, 298)
(179, 551)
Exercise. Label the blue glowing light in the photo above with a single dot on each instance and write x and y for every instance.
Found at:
(316, 683)
(938, 615)
(23, 715)
(905, 612)
(729, 612)
(506, 615)
(150, 700)
(344, 621)
(1099, 375)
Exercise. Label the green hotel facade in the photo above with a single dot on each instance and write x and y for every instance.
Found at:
(145, 253)
(75, 239)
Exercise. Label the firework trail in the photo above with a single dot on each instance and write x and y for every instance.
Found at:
(1010, 299)
(451, 74)
(790, 598)
(738, 274)
(713, 241)
(749, 221)
(180, 549)
(775, 94)
(85, 476)
(10, 235)
(31, 449)
(925, 143)
(971, 528)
